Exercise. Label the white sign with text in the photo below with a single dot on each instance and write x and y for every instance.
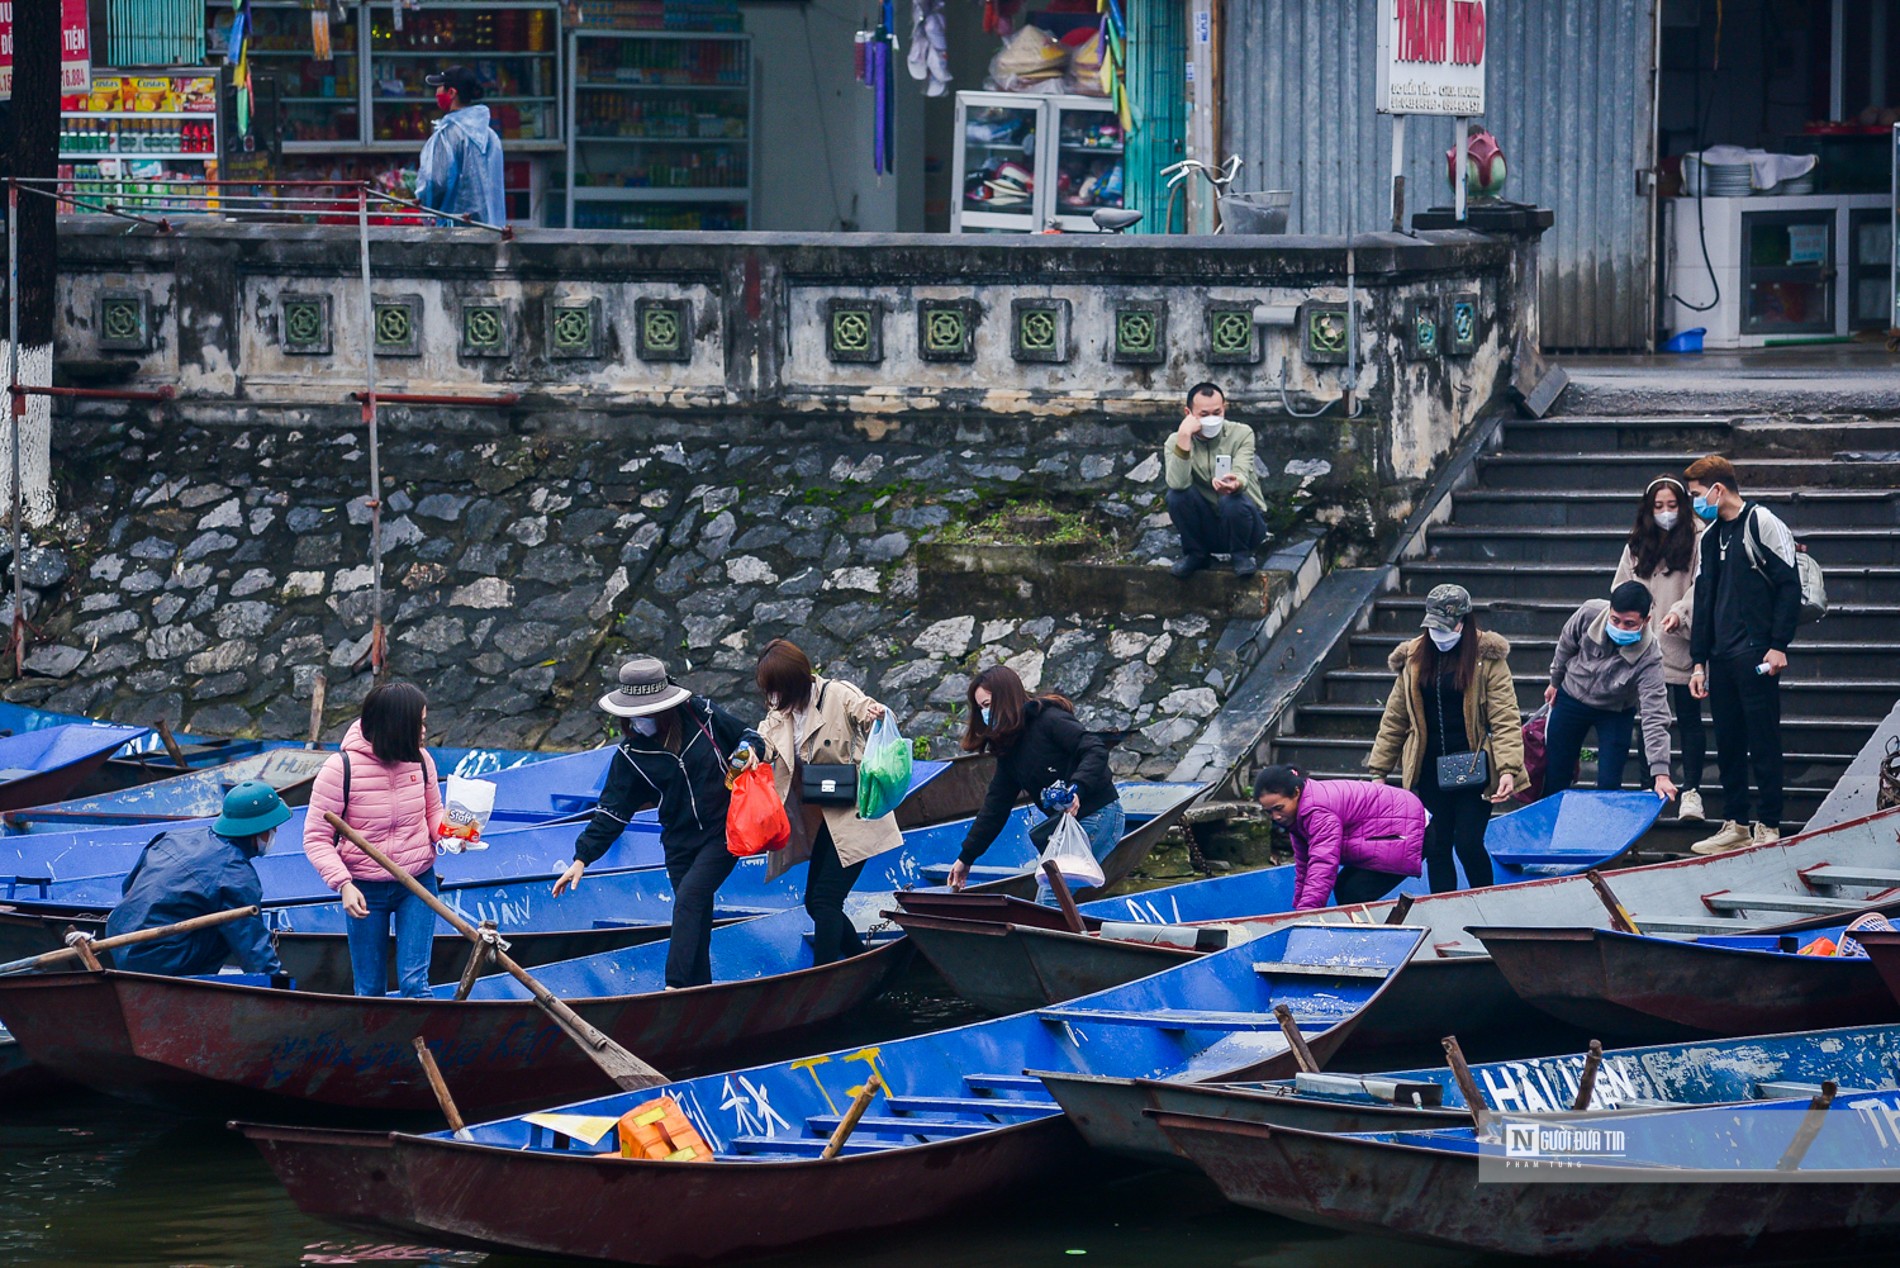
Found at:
(1431, 57)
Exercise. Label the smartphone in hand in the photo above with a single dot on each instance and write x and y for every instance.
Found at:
(1223, 466)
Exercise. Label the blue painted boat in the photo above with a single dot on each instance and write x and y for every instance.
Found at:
(1717, 1184)
(195, 795)
(45, 765)
(1117, 1115)
(1005, 955)
(1629, 988)
(959, 1124)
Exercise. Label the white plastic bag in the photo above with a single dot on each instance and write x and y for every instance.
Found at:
(1069, 851)
(468, 801)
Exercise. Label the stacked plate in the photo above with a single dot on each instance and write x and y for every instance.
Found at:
(1729, 180)
(1796, 188)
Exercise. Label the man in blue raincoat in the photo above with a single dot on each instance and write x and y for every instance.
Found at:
(460, 172)
(197, 871)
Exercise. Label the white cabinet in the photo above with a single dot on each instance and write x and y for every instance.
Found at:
(1026, 163)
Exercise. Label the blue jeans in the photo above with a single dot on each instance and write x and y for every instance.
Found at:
(415, 938)
(1104, 829)
(1569, 722)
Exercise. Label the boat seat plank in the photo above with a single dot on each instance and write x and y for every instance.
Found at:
(1842, 874)
(728, 911)
(1289, 968)
(880, 1125)
(978, 871)
(1182, 1018)
(613, 922)
(1690, 925)
(970, 1105)
(1780, 1090)
(778, 1148)
(1808, 904)
(1003, 1083)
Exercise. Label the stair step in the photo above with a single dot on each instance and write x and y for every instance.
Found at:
(1837, 547)
(1512, 616)
(1530, 654)
(1868, 698)
(1853, 584)
(1548, 472)
(1758, 437)
(1806, 509)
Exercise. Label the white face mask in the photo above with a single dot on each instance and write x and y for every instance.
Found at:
(1445, 640)
(1666, 520)
(1211, 425)
(646, 726)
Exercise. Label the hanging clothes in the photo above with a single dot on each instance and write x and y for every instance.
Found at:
(929, 57)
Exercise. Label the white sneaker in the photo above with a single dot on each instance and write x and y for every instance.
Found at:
(1765, 835)
(1730, 836)
(1690, 807)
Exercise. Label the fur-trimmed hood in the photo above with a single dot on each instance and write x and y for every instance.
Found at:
(1491, 644)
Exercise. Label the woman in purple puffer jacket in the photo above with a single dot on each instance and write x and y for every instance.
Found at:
(1354, 840)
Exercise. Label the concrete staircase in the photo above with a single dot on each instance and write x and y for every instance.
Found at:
(1538, 529)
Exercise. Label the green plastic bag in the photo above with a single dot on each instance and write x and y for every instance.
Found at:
(884, 773)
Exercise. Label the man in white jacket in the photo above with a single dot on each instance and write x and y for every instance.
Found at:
(461, 164)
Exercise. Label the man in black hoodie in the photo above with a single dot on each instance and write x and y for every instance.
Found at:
(1747, 600)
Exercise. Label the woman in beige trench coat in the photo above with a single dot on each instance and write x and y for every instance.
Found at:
(816, 721)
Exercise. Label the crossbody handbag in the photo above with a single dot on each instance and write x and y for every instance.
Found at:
(826, 783)
(1459, 770)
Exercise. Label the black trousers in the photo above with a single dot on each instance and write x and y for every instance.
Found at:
(1695, 749)
(827, 882)
(1362, 885)
(696, 876)
(1457, 827)
(1746, 709)
(1234, 527)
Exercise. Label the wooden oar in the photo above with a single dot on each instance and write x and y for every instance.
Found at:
(1810, 1128)
(51, 958)
(1587, 1085)
(1461, 1073)
(1302, 1055)
(628, 1072)
(1620, 918)
(440, 1087)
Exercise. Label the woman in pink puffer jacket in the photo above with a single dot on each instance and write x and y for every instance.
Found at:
(1354, 840)
(383, 784)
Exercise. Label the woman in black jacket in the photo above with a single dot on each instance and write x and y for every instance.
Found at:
(674, 753)
(1038, 743)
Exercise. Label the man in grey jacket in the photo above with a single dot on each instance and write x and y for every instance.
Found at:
(1607, 668)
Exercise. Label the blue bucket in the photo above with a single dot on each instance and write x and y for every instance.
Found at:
(1686, 341)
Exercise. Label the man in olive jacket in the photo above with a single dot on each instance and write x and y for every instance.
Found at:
(1214, 493)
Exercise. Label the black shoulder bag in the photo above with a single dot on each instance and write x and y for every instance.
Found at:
(1459, 770)
(824, 783)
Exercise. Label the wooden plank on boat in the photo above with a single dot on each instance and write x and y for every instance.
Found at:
(970, 1105)
(1181, 1018)
(1321, 970)
(1408, 1092)
(1003, 1083)
(1841, 874)
(1775, 1090)
(1806, 904)
(1694, 925)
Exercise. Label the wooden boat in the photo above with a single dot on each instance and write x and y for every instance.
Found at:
(224, 1042)
(959, 1124)
(45, 765)
(1803, 881)
(195, 795)
(1007, 957)
(1117, 1115)
(1693, 1186)
(1883, 949)
(1628, 988)
(19, 1077)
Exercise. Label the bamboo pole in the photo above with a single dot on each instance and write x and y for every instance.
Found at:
(1071, 914)
(1468, 1086)
(628, 1072)
(1810, 1128)
(440, 1087)
(849, 1123)
(50, 958)
(480, 956)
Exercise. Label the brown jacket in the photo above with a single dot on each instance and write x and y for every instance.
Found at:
(839, 719)
(1492, 722)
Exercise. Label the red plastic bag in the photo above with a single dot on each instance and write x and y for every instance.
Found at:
(1534, 755)
(756, 820)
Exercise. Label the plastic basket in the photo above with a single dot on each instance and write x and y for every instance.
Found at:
(1264, 211)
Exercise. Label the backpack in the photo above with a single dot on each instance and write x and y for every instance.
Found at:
(1807, 571)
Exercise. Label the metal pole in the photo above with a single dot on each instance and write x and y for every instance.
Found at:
(1458, 174)
(378, 658)
(1398, 173)
(16, 412)
(1837, 62)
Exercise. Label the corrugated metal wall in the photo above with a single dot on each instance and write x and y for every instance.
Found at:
(1157, 94)
(1571, 97)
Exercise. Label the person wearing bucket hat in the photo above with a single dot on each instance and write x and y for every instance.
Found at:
(675, 751)
(196, 871)
(1452, 730)
(460, 171)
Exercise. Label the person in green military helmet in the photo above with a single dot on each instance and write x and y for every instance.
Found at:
(195, 871)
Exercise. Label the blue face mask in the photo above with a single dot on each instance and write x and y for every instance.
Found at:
(1622, 638)
(986, 715)
(1704, 508)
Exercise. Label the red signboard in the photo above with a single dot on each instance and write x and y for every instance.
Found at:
(75, 52)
